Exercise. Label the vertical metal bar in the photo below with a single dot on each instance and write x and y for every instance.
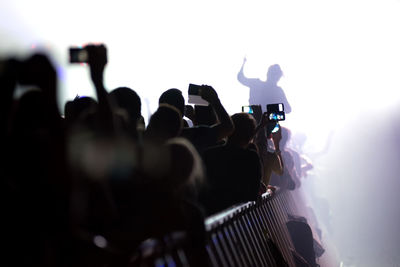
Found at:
(244, 241)
(220, 255)
(261, 232)
(224, 247)
(278, 228)
(231, 244)
(238, 244)
(253, 226)
(211, 255)
(282, 218)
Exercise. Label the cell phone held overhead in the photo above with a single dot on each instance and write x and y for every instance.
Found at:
(194, 93)
(82, 54)
(276, 112)
(247, 109)
(78, 55)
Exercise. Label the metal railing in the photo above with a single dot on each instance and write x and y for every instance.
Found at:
(252, 234)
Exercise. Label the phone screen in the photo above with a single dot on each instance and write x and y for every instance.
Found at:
(276, 128)
(247, 109)
(277, 116)
(194, 89)
(77, 55)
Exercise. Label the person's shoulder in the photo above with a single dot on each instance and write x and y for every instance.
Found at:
(199, 129)
(215, 149)
(250, 154)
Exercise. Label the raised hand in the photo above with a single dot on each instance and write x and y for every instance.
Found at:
(97, 62)
(209, 94)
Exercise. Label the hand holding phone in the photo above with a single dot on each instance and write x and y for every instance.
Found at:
(202, 95)
(78, 55)
(88, 53)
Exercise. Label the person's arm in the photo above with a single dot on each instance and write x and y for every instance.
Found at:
(97, 63)
(305, 166)
(263, 122)
(277, 162)
(242, 78)
(225, 126)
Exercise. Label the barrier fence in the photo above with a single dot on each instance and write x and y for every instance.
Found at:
(252, 234)
(249, 235)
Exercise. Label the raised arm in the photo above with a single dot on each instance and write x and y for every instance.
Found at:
(242, 78)
(97, 63)
(277, 163)
(225, 126)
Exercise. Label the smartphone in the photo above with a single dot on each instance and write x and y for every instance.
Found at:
(247, 109)
(276, 112)
(78, 55)
(194, 89)
(194, 95)
(276, 128)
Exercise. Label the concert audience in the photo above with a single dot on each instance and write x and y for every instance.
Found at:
(88, 188)
(202, 136)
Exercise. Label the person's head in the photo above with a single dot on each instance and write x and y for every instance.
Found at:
(76, 108)
(164, 124)
(245, 126)
(186, 166)
(175, 98)
(128, 100)
(274, 73)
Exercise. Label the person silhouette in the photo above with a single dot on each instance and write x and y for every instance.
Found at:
(265, 92)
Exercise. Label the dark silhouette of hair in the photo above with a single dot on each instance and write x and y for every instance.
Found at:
(245, 126)
(175, 98)
(129, 100)
(165, 123)
(74, 109)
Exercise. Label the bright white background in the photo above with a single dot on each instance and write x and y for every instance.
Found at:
(341, 64)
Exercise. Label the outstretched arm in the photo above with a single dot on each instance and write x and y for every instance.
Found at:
(97, 63)
(277, 165)
(243, 79)
(225, 126)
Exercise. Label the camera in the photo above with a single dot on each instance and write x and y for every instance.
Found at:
(275, 112)
(78, 55)
(247, 109)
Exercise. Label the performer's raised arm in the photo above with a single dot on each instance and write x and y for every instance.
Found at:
(243, 79)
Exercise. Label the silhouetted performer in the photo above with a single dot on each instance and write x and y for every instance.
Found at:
(265, 92)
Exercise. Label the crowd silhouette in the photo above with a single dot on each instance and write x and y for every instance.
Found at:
(89, 187)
